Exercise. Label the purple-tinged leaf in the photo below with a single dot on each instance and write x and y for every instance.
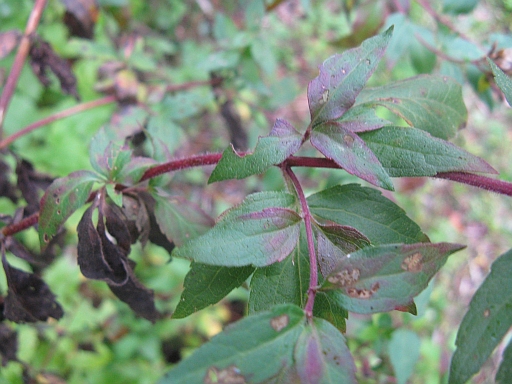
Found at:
(380, 279)
(488, 319)
(361, 119)
(256, 349)
(354, 205)
(351, 153)
(63, 197)
(205, 285)
(322, 356)
(244, 236)
(28, 297)
(180, 220)
(258, 238)
(282, 142)
(431, 103)
(412, 152)
(342, 77)
(286, 282)
(345, 238)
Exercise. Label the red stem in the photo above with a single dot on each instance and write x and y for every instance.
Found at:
(57, 116)
(21, 55)
(483, 182)
(175, 165)
(27, 222)
(313, 268)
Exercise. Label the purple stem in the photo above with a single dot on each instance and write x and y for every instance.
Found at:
(483, 182)
(313, 277)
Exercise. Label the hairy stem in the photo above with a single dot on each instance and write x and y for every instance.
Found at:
(21, 55)
(313, 268)
(27, 222)
(57, 116)
(483, 182)
(175, 165)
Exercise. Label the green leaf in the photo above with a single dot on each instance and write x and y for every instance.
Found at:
(459, 6)
(327, 308)
(361, 119)
(286, 282)
(502, 80)
(342, 77)
(409, 151)
(387, 277)
(282, 142)
(63, 197)
(253, 349)
(108, 154)
(117, 197)
(257, 232)
(431, 103)
(351, 153)
(180, 220)
(504, 374)
(356, 206)
(208, 284)
(404, 352)
(488, 319)
(322, 355)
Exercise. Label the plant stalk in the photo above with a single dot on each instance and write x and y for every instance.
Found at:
(313, 267)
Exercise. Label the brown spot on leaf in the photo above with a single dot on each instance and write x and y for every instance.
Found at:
(487, 313)
(229, 375)
(360, 293)
(412, 263)
(345, 278)
(325, 97)
(348, 140)
(279, 322)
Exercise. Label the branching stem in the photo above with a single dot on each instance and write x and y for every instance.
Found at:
(313, 267)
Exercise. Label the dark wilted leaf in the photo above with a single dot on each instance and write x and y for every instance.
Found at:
(28, 297)
(138, 218)
(8, 41)
(322, 356)
(342, 77)
(7, 189)
(8, 344)
(208, 284)
(80, 17)
(234, 356)
(180, 220)
(29, 182)
(382, 278)
(351, 153)
(244, 236)
(63, 197)
(43, 58)
(282, 142)
(98, 257)
(137, 296)
(488, 319)
(115, 220)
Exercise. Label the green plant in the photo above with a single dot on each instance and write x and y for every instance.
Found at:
(309, 261)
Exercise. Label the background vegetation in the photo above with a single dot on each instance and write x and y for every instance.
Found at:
(161, 61)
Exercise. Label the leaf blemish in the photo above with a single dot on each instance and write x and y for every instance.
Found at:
(229, 375)
(360, 293)
(348, 140)
(279, 322)
(325, 97)
(487, 313)
(345, 278)
(412, 263)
